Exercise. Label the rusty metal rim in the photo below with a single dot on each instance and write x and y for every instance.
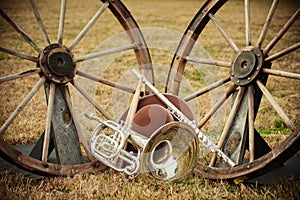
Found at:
(259, 166)
(39, 167)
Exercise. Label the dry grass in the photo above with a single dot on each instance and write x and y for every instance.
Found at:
(112, 185)
(171, 15)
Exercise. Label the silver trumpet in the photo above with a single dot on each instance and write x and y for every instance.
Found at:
(182, 118)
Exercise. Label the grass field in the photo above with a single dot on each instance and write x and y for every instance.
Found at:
(162, 22)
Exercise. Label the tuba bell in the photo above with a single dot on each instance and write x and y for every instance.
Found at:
(171, 152)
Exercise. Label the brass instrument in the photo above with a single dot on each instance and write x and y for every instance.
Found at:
(169, 154)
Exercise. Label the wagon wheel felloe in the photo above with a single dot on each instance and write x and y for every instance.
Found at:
(56, 68)
(252, 76)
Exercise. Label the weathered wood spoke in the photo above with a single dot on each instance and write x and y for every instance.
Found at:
(105, 82)
(88, 26)
(247, 22)
(207, 89)
(61, 26)
(22, 105)
(48, 122)
(217, 105)
(275, 105)
(229, 123)
(21, 32)
(281, 73)
(251, 119)
(267, 23)
(282, 31)
(18, 54)
(19, 75)
(86, 95)
(224, 33)
(40, 22)
(105, 52)
(209, 62)
(283, 52)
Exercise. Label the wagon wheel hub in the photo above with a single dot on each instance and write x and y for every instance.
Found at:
(246, 66)
(57, 63)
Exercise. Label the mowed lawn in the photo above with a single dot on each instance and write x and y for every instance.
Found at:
(169, 16)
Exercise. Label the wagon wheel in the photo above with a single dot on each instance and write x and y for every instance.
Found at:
(56, 66)
(254, 85)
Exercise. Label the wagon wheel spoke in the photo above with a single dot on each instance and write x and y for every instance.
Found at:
(18, 54)
(283, 52)
(229, 123)
(224, 33)
(209, 62)
(106, 52)
(207, 89)
(105, 82)
(216, 106)
(282, 31)
(275, 105)
(19, 75)
(22, 105)
(88, 26)
(40, 22)
(247, 22)
(251, 119)
(61, 26)
(86, 95)
(281, 73)
(20, 31)
(48, 122)
(267, 23)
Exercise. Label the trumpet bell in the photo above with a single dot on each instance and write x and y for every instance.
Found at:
(171, 152)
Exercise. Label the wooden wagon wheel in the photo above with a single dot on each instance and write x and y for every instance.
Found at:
(56, 67)
(255, 83)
